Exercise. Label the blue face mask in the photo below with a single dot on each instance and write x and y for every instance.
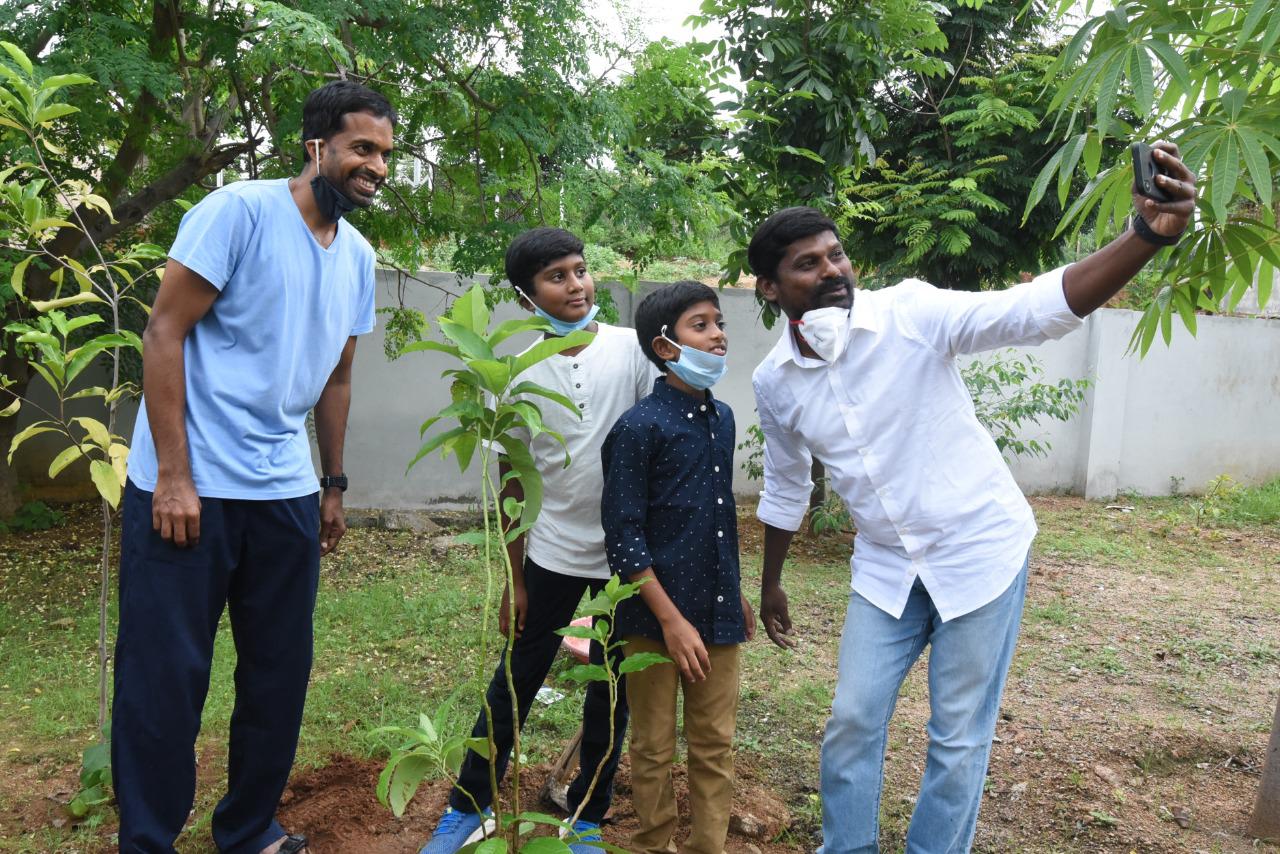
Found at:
(564, 327)
(698, 368)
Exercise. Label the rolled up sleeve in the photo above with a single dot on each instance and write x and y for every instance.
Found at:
(955, 322)
(787, 467)
(625, 503)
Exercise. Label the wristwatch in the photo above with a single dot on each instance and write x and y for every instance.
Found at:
(338, 480)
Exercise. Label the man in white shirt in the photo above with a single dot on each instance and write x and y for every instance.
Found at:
(870, 387)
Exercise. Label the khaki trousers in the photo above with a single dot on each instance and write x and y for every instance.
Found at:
(710, 716)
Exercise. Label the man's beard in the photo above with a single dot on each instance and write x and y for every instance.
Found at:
(823, 295)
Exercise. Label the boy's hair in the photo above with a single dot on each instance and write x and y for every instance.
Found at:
(323, 112)
(782, 228)
(662, 308)
(533, 250)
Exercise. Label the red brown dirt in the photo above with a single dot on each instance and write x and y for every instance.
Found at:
(335, 806)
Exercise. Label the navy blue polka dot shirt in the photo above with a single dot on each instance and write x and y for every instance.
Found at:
(668, 505)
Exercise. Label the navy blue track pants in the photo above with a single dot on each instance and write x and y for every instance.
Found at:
(260, 560)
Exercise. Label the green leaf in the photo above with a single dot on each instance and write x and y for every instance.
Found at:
(521, 460)
(1107, 94)
(12, 408)
(106, 480)
(470, 343)
(60, 81)
(19, 58)
(1252, 19)
(15, 279)
(436, 346)
(588, 673)
(1070, 157)
(492, 374)
(479, 746)
(1092, 154)
(33, 430)
(1142, 77)
(1226, 170)
(433, 443)
(641, 660)
(1042, 182)
(548, 347)
(63, 302)
(64, 459)
(1255, 159)
(529, 388)
(470, 311)
(96, 430)
(514, 327)
(1173, 63)
(403, 782)
(584, 632)
(529, 414)
(55, 111)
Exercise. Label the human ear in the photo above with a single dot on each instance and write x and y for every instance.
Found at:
(666, 351)
(767, 289)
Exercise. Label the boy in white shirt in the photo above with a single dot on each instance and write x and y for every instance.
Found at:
(563, 555)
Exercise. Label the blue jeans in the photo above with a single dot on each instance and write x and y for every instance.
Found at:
(967, 669)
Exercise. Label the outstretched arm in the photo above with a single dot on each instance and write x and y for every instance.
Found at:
(1089, 283)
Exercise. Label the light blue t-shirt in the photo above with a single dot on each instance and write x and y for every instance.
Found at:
(257, 362)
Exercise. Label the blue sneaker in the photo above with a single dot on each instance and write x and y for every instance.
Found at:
(583, 831)
(457, 829)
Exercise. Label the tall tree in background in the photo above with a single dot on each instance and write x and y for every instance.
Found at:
(806, 119)
(958, 155)
(496, 99)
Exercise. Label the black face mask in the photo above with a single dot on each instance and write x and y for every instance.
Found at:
(331, 201)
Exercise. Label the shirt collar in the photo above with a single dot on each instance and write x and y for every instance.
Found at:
(862, 316)
(680, 401)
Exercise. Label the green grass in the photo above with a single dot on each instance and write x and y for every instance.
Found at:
(1254, 506)
(1161, 620)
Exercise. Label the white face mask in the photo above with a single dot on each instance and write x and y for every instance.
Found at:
(826, 330)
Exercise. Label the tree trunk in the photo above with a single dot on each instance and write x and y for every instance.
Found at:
(15, 369)
(1265, 823)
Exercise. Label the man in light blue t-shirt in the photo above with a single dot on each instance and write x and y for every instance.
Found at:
(254, 325)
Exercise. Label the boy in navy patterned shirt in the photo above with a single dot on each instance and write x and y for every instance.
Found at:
(669, 519)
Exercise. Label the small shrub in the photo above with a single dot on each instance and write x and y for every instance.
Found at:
(33, 516)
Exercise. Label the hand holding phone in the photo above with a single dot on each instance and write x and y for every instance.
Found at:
(1145, 170)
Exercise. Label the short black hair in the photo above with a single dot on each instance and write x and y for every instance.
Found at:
(323, 112)
(533, 250)
(662, 308)
(782, 228)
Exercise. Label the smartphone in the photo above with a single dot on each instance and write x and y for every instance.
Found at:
(1145, 170)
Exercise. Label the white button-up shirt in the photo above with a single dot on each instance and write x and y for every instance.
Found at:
(894, 426)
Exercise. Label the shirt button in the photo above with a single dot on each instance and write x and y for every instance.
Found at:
(703, 408)
(577, 385)
(582, 406)
(719, 598)
(575, 366)
(717, 468)
(713, 435)
(690, 414)
(719, 500)
(719, 533)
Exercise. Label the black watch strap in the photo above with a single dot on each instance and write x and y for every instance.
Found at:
(336, 480)
(1145, 231)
